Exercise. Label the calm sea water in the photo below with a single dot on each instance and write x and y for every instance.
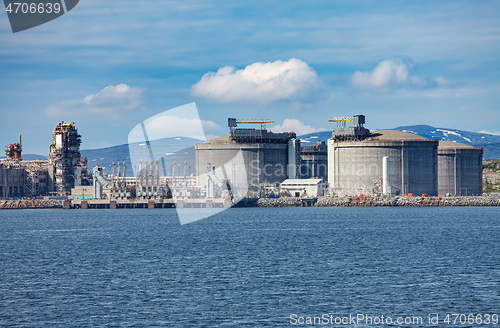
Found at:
(248, 267)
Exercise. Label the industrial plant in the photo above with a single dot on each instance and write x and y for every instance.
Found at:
(255, 162)
(64, 166)
(57, 176)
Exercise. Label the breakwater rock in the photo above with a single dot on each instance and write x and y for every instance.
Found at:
(379, 201)
(403, 201)
(286, 202)
(408, 201)
(31, 203)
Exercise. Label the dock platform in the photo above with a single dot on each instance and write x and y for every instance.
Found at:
(147, 203)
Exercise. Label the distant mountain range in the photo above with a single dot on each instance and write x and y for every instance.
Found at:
(181, 149)
(465, 137)
(171, 150)
(32, 157)
(312, 138)
(489, 142)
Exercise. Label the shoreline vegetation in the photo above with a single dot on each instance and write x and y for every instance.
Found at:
(398, 201)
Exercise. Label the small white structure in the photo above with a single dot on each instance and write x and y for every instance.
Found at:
(212, 180)
(309, 187)
(386, 176)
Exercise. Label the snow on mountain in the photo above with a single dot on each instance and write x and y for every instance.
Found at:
(312, 138)
(466, 137)
(430, 132)
(489, 142)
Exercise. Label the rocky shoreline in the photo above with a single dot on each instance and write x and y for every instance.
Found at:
(379, 201)
(31, 204)
(487, 200)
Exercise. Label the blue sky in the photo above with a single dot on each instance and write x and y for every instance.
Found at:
(110, 65)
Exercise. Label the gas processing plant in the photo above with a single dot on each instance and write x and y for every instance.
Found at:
(64, 166)
(64, 169)
(256, 162)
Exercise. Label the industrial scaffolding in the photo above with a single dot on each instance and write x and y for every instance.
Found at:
(64, 158)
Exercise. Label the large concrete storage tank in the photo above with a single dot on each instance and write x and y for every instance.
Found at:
(355, 166)
(268, 158)
(460, 169)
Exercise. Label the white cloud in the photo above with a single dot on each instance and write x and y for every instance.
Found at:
(211, 129)
(110, 101)
(182, 121)
(387, 72)
(391, 73)
(294, 125)
(441, 81)
(172, 126)
(258, 83)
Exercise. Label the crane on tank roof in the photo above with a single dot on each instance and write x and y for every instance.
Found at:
(232, 123)
(344, 132)
(358, 120)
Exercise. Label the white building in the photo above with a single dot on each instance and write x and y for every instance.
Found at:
(310, 187)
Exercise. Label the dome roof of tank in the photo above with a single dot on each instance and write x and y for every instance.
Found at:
(395, 135)
(454, 145)
(221, 139)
